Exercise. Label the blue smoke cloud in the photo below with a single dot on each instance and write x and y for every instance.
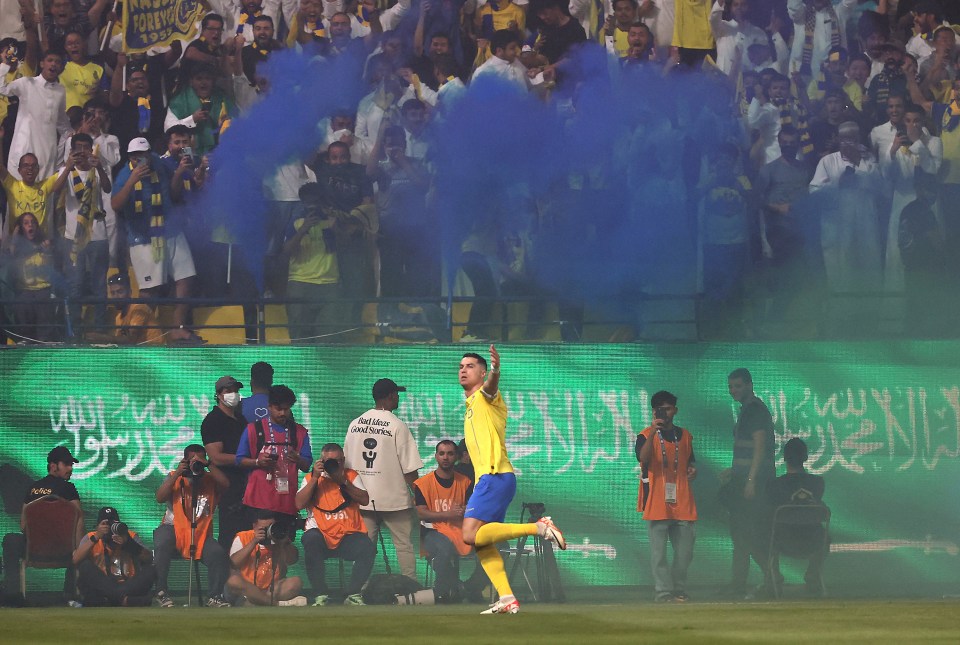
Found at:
(280, 128)
(604, 173)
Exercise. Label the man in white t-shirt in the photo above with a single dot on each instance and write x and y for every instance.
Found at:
(380, 447)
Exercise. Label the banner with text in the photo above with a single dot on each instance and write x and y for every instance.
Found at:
(157, 23)
(882, 422)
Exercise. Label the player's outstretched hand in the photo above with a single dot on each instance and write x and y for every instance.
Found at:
(494, 358)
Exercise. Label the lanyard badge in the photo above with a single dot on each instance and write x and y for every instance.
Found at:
(670, 487)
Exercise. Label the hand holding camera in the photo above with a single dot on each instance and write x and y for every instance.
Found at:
(196, 467)
(103, 529)
(659, 418)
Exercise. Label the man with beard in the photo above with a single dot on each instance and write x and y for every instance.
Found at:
(57, 482)
(221, 430)
(891, 80)
(259, 50)
(201, 106)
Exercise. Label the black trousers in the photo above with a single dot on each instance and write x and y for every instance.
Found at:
(99, 589)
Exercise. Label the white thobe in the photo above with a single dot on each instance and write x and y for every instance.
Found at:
(41, 120)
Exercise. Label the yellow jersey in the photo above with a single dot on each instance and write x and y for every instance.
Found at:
(313, 262)
(691, 25)
(485, 432)
(81, 82)
(500, 18)
(27, 199)
(621, 42)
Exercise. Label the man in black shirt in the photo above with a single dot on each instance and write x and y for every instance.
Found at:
(753, 467)
(138, 110)
(558, 32)
(799, 487)
(57, 482)
(220, 431)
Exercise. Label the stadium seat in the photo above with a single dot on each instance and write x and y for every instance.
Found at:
(520, 327)
(275, 317)
(50, 527)
(798, 531)
(461, 314)
(220, 325)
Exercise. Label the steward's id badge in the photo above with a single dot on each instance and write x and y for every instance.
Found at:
(283, 485)
(670, 492)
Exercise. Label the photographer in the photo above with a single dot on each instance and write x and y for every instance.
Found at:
(274, 449)
(260, 558)
(334, 529)
(191, 492)
(666, 453)
(113, 565)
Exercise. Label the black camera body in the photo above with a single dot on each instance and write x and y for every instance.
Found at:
(196, 469)
(331, 465)
(119, 529)
(282, 529)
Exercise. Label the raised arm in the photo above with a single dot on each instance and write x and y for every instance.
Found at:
(116, 81)
(492, 384)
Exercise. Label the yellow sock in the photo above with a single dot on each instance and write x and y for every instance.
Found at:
(492, 565)
(495, 532)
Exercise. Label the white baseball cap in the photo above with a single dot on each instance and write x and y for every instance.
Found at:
(138, 145)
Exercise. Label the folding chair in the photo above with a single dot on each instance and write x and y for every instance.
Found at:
(50, 528)
(798, 531)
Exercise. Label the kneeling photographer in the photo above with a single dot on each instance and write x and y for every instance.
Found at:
(333, 494)
(113, 566)
(191, 493)
(260, 558)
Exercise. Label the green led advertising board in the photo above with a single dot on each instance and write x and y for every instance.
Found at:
(882, 421)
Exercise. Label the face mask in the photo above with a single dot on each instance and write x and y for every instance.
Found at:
(231, 399)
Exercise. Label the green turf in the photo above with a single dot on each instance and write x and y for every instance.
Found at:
(796, 622)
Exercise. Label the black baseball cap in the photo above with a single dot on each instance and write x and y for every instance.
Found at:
(228, 382)
(108, 513)
(61, 454)
(384, 388)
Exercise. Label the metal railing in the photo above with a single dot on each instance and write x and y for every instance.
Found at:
(638, 317)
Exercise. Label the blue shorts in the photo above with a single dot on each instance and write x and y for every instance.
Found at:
(491, 497)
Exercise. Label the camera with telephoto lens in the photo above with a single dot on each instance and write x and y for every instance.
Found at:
(196, 468)
(331, 466)
(283, 529)
(119, 529)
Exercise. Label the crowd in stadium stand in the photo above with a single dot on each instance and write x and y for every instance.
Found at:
(841, 178)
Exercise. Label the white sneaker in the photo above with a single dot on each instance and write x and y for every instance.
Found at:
(298, 601)
(549, 531)
(503, 607)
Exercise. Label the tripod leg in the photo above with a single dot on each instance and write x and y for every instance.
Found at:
(190, 579)
(196, 573)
